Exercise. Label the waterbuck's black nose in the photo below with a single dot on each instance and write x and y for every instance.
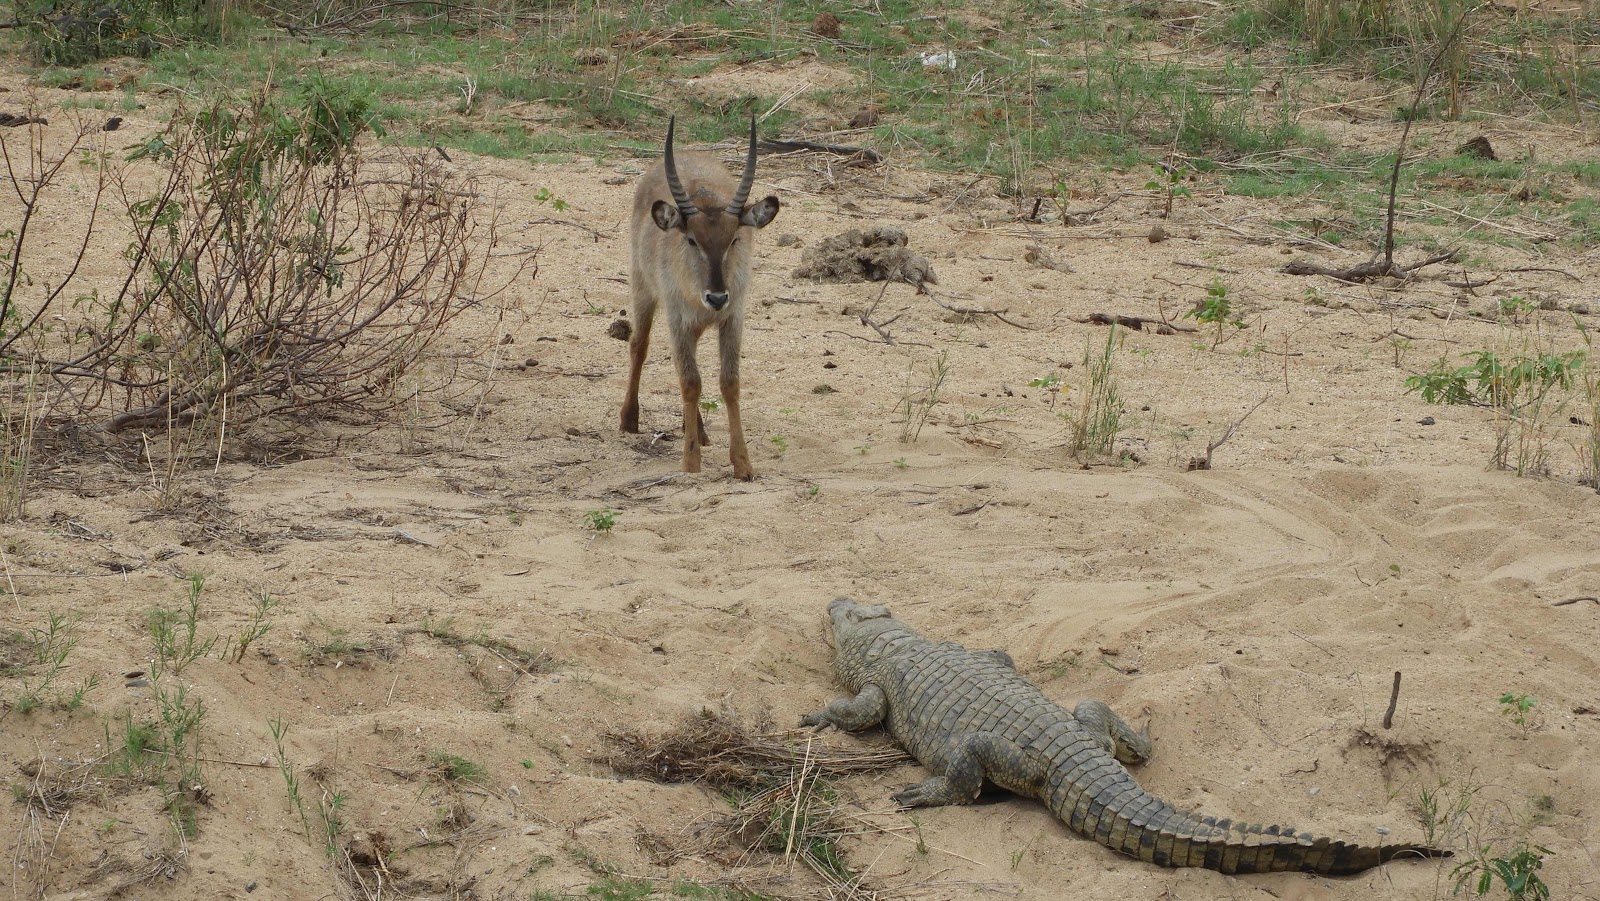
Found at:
(716, 300)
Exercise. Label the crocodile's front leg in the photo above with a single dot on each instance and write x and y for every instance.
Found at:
(866, 709)
(979, 756)
(1113, 733)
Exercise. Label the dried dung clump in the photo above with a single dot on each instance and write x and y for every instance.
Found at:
(871, 255)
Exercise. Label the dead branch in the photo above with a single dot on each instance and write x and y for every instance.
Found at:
(972, 311)
(1394, 698)
(1205, 462)
(1363, 271)
(857, 156)
(1136, 323)
(1385, 266)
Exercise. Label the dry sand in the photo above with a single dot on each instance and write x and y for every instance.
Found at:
(1254, 614)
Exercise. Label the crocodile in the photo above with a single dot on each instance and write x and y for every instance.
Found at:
(971, 719)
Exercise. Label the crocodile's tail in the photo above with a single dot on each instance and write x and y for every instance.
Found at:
(1100, 800)
(1254, 848)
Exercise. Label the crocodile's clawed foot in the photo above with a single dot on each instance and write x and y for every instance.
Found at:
(930, 793)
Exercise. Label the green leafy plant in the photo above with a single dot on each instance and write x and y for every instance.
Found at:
(39, 656)
(1518, 708)
(601, 521)
(780, 444)
(1216, 310)
(1051, 381)
(1168, 180)
(1517, 873)
(544, 195)
(710, 404)
(176, 632)
(1516, 309)
(257, 628)
(291, 780)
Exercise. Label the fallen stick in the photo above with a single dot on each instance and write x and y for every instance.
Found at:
(1205, 462)
(1394, 698)
(1137, 323)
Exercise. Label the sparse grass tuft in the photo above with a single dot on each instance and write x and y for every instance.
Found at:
(919, 400)
(455, 768)
(1099, 417)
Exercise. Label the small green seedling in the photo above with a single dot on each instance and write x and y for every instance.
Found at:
(710, 405)
(545, 195)
(780, 443)
(601, 521)
(1169, 180)
(1216, 310)
(1047, 381)
(1519, 709)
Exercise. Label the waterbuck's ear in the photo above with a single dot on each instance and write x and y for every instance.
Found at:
(666, 215)
(760, 213)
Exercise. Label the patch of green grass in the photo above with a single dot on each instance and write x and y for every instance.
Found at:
(455, 768)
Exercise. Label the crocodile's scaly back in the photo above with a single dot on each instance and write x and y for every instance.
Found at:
(969, 718)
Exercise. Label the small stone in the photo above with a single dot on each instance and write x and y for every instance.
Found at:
(1315, 790)
(1426, 420)
(1383, 830)
(788, 240)
(593, 56)
(1582, 309)
(620, 329)
(250, 886)
(1157, 234)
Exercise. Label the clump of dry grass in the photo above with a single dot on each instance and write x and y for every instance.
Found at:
(779, 784)
(716, 749)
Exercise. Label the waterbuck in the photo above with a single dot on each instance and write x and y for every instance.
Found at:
(692, 240)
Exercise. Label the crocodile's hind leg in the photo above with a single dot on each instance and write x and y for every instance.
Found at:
(866, 709)
(979, 756)
(1113, 733)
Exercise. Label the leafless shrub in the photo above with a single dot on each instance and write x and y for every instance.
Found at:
(274, 269)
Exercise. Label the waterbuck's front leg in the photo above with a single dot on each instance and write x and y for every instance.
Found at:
(644, 314)
(729, 336)
(684, 339)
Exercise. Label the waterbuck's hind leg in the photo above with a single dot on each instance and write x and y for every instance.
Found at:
(644, 314)
(728, 340)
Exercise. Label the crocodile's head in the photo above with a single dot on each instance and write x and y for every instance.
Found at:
(858, 637)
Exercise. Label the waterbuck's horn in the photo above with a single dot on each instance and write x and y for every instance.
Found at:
(686, 207)
(736, 205)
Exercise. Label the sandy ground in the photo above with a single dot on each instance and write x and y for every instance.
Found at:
(1254, 614)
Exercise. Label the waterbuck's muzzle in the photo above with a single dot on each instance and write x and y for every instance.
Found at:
(716, 300)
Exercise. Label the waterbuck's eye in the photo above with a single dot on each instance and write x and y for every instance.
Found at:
(691, 242)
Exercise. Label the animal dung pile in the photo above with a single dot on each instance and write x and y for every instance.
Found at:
(870, 255)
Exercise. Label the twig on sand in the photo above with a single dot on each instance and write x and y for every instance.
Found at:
(1394, 698)
(1205, 462)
